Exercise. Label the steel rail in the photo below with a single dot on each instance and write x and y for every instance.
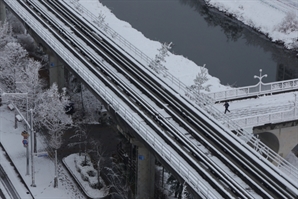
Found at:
(8, 184)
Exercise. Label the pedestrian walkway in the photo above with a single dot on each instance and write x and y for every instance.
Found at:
(267, 109)
(44, 171)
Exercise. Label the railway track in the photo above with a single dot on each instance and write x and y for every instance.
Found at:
(9, 187)
(146, 89)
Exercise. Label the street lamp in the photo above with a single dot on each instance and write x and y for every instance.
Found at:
(260, 79)
(25, 136)
(15, 94)
(30, 126)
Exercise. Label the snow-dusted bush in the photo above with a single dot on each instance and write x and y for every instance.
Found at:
(289, 24)
(87, 171)
(200, 81)
(157, 63)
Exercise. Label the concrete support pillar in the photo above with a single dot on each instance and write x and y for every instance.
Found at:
(56, 71)
(145, 172)
(281, 138)
(2, 11)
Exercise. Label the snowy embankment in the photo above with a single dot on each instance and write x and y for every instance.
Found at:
(277, 19)
(180, 67)
(265, 16)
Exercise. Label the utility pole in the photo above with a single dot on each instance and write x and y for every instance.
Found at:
(32, 148)
(30, 126)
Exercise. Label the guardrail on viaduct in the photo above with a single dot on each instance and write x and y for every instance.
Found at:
(255, 90)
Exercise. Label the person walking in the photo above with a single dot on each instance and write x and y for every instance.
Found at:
(226, 105)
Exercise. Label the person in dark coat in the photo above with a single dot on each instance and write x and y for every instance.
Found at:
(226, 105)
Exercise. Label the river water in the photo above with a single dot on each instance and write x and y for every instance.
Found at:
(232, 52)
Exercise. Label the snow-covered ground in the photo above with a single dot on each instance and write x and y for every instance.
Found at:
(44, 167)
(266, 16)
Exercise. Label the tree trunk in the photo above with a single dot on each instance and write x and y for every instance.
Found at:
(56, 171)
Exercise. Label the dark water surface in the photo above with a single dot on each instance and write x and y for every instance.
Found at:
(231, 51)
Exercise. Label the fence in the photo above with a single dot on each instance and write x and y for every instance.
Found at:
(256, 120)
(255, 90)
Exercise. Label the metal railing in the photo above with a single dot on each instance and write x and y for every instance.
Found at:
(255, 90)
(206, 102)
(110, 32)
(190, 176)
(255, 120)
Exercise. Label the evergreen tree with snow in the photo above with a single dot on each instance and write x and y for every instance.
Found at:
(201, 79)
(157, 63)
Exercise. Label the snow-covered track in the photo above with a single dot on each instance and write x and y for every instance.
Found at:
(8, 185)
(194, 122)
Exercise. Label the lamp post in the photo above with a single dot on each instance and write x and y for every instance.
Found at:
(260, 79)
(15, 94)
(32, 153)
(30, 126)
(25, 136)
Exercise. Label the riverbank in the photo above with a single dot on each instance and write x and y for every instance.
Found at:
(276, 19)
(209, 37)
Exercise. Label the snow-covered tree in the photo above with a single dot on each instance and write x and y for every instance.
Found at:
(88, 107)
(119, 185)
(12, 58)
(289, 23)
(50, 114)
(29, 81)
(157, 63)
(184, 194)
(50, 109)
(99, 152)
(201, 79)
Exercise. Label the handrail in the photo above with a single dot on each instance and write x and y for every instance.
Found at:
(251, 121)
(200, 99)
(255, 90)
(191, 177)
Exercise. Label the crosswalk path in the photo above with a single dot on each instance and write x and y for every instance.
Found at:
(283, 104)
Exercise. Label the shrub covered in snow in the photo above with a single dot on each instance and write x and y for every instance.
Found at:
(88, 173)
(289, 24)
